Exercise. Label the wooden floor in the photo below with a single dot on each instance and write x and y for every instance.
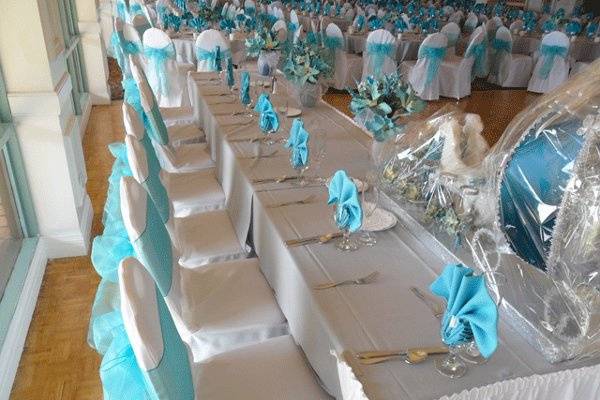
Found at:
(57, 362)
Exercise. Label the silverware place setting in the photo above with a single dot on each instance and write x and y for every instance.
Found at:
(437, 308)
(415, 355)
(359, 281)
(321, 239)
(306, 200)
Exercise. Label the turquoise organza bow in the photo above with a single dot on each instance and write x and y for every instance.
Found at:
(245, 88)
(591, 30)
(158, 59)
(470, 312)
(230, 77)
(360, 22)
(343, 193)
(400, 25)
(214, 57)
(198, 23)
(262, 103)
(479, 53)
(298, 144)
(375, 23)
(549, 53)
(269, 120)
(379, 52)
(135, 9)
(501, 49)
(117, 50)
(122, 10)
(333, 43)
(130, 47)
(573, 28)
(435, 56)
(227, 25)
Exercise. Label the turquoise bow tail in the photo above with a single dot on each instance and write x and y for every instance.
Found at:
(479, 54)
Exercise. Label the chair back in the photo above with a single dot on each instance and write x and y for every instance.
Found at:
(161, 68)
(501, 46)
(554, 48)
(516, 26)
(477, 50)
(452, 32)
(141, 23)
(280, 29)
(159, 351)
(212, 51)
(380, 54)
(431, 55)
(471, 22)
(250, 6)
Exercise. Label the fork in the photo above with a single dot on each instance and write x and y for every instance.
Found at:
(436, 308)
(360, 281)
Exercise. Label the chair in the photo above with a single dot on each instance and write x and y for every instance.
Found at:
(452, 32)
(455, 73)
(212, 51)
(423, 74)
(216, 307)
(471, 22)
(516, 26)
(280, 29)
(189, 193)
(347, 67)
(272, 370)
(551, 67)
(380, 54)
(167, 79)
(160, 119)
(507, 69)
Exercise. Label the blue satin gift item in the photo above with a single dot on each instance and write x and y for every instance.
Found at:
(435, 56)
(262, 103)
(157, 59)
(245, 88)
(479, 54)
(533, 186)
(470, 312)
(378, 52)
(268, 121)
(549, 53)
(343, 193)
(298, 144)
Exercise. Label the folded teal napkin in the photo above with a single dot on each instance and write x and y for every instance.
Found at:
(343, 193)
(245, 88)
(298, 144)
(471, 313)
(268, 121)
(230, 77)
(262, 102)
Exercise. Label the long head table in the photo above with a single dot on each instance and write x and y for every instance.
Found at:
(380, 315)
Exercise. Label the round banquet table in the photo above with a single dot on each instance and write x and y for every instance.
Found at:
(381, 315)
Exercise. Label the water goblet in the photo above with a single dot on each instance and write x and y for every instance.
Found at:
(369, 200)
(452, 365)
(346, 242)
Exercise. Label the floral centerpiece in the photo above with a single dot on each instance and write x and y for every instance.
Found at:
(264, 45)
(378, 104)
(306, 64)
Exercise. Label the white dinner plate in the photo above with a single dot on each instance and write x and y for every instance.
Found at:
(380, 220)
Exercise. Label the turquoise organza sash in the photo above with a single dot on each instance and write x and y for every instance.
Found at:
(549, 53)
(214, 57)
(378, 52)
(118, 50)
(158, 59)
(333, 43)
(501, 49)
(479, 53)
(435, 56)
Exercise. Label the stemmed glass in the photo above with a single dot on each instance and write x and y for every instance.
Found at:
(369, 200)
(451, 366)
(347, 242)
(316, 146)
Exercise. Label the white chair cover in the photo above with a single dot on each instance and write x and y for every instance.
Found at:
(273, 369)
(167, 80)
(471, 22)
(424, 74)
(375, 61)
(215, 308)
(516, 26)
(552, 67)
(348, 67)
(206, 45)
(452, 32)
(507, 69)
(456, 72)
(280, 28)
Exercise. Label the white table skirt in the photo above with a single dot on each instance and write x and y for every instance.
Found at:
(383, 314)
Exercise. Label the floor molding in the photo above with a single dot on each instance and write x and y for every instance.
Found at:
(11, 351)
(73, 243)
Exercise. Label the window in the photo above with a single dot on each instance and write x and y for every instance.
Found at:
(68, 18)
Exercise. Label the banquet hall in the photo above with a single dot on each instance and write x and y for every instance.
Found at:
(300, 199)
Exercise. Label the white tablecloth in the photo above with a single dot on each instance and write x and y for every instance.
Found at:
(381, 315)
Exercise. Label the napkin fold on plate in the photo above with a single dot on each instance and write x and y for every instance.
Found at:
(298, 144)
(245, 88)
(470, 312)
(344, 194)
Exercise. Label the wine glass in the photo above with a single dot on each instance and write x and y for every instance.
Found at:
(347, 242)
(369, 200)
(452, 365)
(316, 149)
